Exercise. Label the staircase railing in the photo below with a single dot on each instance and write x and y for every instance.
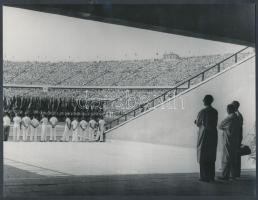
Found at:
(168, 94)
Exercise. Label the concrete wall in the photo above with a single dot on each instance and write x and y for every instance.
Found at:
(172, 122)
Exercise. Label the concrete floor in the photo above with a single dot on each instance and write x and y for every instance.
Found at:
(113, 167)
(20, 183)
(108, 158)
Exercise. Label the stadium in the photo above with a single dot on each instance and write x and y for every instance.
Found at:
(148, 104)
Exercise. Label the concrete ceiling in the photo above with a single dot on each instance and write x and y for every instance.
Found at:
(226, 23)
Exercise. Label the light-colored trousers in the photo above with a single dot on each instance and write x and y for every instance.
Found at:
(91, 133)
(25, 133)
(75, 135)
(53, 133)
(43, 136)
(34, 134)
(65, 136)
(16, 132)
(82, 135)
(86, 134)
(101, 135)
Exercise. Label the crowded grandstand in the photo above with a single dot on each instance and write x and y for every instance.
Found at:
(166, 71)
(25, 100)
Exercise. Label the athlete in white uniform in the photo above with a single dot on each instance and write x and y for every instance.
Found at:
(34, 124)
(67, 128)
(53, 122)
(92, 128)
(16, 127)
(26, 127)
(75, 130)
(101, 129)
(84, 130)
(43, 136)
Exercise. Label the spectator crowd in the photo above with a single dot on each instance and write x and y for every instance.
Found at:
(60, 107)
(166, 71)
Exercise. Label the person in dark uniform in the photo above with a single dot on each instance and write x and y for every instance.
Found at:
(236, 104)
(230, 128)
(206, 121)
(6, 125)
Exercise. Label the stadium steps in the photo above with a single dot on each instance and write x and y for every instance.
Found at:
(182, 86)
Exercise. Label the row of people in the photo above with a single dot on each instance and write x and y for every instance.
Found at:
(28, 129)
(52, 105)
(83, 130)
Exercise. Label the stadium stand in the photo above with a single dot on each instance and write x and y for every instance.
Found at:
(166, 71)
(123, 73)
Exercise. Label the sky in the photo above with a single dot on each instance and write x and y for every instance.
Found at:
(31, 35)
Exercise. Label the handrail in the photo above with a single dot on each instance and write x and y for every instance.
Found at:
(188, 81)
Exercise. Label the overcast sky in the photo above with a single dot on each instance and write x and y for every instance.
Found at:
(30, 35)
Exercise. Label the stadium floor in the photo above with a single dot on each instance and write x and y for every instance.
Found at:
(110, 168)
(32, 185)
(100, 158)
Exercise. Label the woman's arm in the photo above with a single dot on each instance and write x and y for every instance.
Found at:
(224, 124)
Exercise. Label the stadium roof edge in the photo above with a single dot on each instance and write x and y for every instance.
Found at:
(231, 23)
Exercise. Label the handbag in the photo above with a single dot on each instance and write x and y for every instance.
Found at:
(244, 150)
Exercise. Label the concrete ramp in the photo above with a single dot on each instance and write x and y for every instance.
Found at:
(172, 122)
